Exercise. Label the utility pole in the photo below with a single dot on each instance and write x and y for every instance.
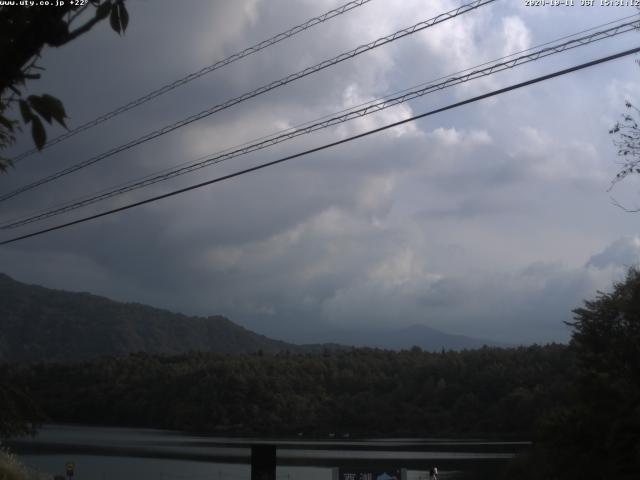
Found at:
(263, 462)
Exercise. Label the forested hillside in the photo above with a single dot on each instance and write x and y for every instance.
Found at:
(38, 323)
(363, 391)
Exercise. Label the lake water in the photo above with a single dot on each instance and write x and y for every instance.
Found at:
(101, 453)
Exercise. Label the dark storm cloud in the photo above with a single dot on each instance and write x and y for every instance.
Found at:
(472, 221)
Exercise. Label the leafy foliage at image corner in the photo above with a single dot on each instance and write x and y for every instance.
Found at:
(12, 469)
(626, 138)
(596, 433)
(626, 134)
(24, 32)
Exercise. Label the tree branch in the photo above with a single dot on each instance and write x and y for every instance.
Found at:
(79, 31)
(77, 13)
(619, 205)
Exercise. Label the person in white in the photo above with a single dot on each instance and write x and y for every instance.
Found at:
(433, 473)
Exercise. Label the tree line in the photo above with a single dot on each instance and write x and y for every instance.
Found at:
(490, 391)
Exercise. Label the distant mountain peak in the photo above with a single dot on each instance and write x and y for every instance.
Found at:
(406, 337)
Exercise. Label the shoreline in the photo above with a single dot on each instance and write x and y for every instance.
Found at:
(287, 457)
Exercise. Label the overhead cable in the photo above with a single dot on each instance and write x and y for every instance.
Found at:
(312, 22)
(266, 88)
(328, 145)
(368, 109)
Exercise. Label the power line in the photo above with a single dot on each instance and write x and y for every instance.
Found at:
(136, 183)
(266, 88)
(295, 127)
(291, 133)
(330, 145)
(370, 108)
(192, 76)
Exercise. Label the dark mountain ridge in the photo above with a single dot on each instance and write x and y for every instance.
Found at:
(38, 323)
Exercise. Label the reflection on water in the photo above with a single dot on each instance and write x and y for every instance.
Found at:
(102, 453)
(93, 467)
(89, 467)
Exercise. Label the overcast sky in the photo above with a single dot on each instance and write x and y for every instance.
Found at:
(491, 220)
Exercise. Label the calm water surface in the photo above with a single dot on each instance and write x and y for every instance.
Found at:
(101, 453)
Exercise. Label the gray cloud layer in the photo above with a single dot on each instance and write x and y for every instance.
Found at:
(490, 220)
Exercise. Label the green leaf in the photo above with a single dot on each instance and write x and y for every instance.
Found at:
(40, 107)
(38, 133)
(103, 10)
(25, 111)
(55, 108)
(124, 16)
(114, 19)
(48, 107)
